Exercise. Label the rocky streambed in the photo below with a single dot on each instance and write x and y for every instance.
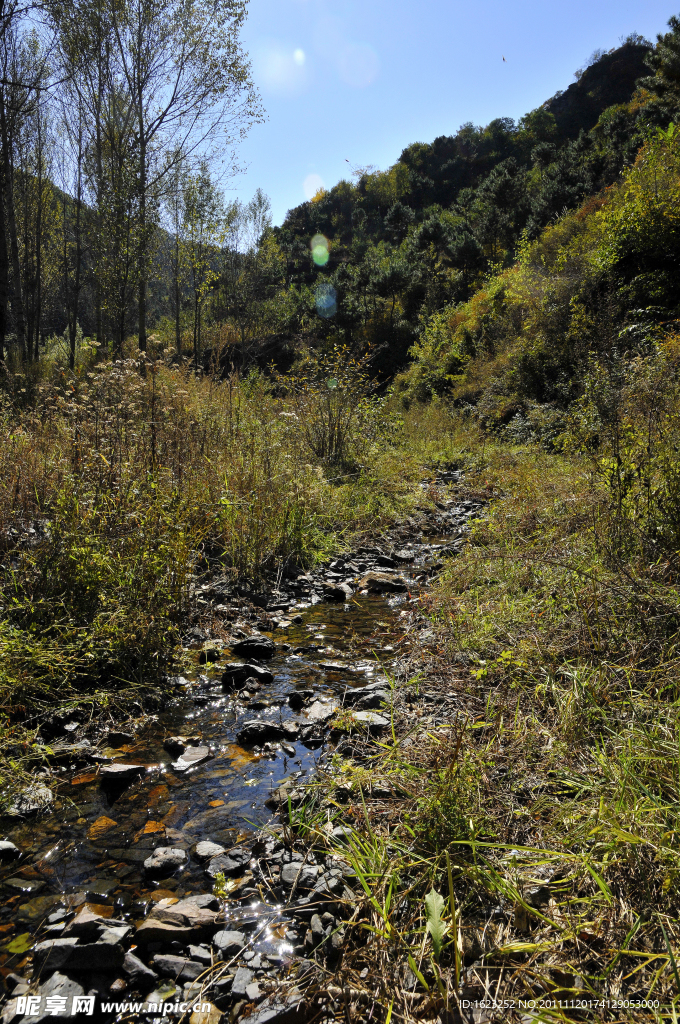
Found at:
(153, 871)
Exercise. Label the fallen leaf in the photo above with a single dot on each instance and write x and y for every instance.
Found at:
(20, 944)
(216, 803)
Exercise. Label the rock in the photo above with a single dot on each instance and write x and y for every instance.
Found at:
(297, 698)
(280, 796)
(35, 910)
(229, 863)
(241, 981)
(209, 655)
(366, 697)
(227, 943)
(207, 1014)
(177, 967)
(117, 738)
(24, 884)
(258, 730)
(8, 851)
(257, 646)
(204, 900)
(137, 972)
(289, 749)
(191, 757)
(206, 850)
(334, 593)
(87, 923)
(305, 874)
(163, 933)
(371, 720)
(253, 992)
(68, 953)
(201, 954)
(382, 583)
(115, 773)
(163, 861)
(275, 1013)
(235, 674)
(31, 800)
(175, 745)
(320, 712)
(59, 986)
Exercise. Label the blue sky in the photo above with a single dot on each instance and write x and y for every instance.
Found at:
(358, 80)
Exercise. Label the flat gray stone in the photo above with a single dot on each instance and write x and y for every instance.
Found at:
(241, 981)
(191, 757)
(227, 943)
(205, 850)
(137, 972)
(229, 863)
(371, 720)
(179, 968)
(308, 874)
(164, 860)
(320, 712)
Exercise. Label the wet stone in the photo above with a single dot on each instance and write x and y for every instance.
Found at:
(227, 943)
(229, 863)
(298, 698)
(206, 850)
(236, 674)
(258, 730)
(260, 647)
(31, 800)
(177, 967)
(8, 851)
(306, 874)
(137, 972)
(191, 757)
(242, 979)
(382, 583)
(175, 745)
(163, 861)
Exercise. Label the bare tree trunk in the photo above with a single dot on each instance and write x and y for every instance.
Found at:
(17, 296)
(142, 266)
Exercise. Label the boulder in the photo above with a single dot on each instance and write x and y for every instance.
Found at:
(175, 745)
(320, 712)
(8, 851)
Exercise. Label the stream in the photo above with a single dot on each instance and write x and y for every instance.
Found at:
(182, 777)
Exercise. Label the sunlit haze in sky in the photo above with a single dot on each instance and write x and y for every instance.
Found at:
(349, 84)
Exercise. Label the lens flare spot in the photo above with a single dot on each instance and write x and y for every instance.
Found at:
(326, 299)
(358, 65)
(299, 57)
(320, 250)
(312, 184)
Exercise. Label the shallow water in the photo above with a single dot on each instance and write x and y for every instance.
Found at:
(96, 838)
